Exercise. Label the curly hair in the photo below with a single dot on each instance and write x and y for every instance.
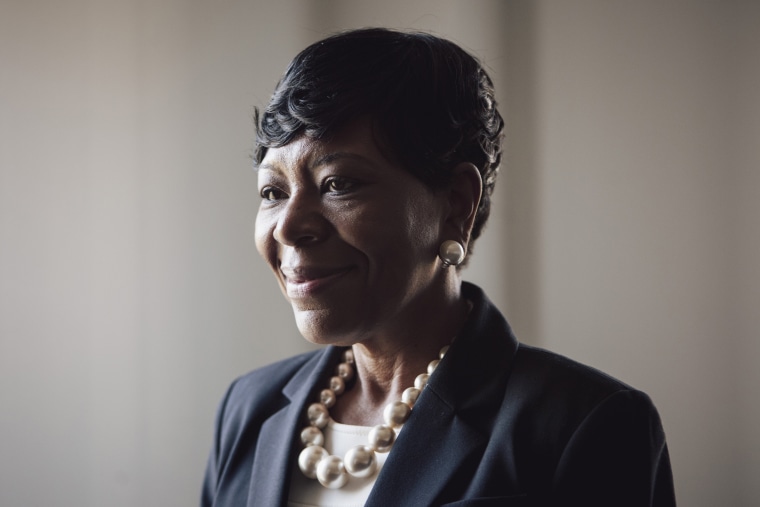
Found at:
(432, 102)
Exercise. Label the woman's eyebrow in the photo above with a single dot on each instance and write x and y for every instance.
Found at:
(265, 167)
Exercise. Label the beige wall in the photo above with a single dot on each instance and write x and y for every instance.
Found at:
(646, 189)
(746, 249)
(625, 232)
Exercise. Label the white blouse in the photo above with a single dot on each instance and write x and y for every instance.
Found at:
(339, 438)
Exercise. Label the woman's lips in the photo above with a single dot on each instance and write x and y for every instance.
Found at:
(303, 282)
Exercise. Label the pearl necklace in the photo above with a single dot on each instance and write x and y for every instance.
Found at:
(360, 461)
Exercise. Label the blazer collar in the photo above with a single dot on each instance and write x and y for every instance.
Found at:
(276, 448)
(445, 431)
(483, 349)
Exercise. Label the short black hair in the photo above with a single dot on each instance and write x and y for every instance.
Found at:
(432, 101)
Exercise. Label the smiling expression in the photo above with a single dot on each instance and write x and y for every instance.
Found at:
(351, 237)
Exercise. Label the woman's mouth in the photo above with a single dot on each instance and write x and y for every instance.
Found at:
(301, 282)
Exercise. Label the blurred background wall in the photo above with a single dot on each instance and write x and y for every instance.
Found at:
(626, 229)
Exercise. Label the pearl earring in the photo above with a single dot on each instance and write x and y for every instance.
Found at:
(451, 253)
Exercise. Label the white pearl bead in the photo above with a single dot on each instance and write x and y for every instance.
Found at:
(331, 473)
(421, 381)
(308, 459)
(396, 413)
(311, 435)
(345, 371)
(432, 365)
(337, 385)
(328, 397)
(360, 461)
(381, 438)
(318, 415)
(348, 356)
(443, 351)
(410, 395)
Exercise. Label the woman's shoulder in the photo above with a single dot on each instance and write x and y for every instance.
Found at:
(551, 367)
(544, 381)
(278, 372)
(264, 386)
(273, 376)
(557, 385)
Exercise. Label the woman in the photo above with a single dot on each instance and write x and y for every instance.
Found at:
(377, 157)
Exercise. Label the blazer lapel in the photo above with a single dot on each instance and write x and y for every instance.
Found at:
(276, 447)
(446, 431)
(431, 447)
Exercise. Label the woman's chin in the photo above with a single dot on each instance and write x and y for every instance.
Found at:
(321, 327)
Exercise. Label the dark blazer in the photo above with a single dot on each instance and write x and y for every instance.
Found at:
(500, 423)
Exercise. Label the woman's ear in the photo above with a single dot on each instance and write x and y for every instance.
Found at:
(463, 198)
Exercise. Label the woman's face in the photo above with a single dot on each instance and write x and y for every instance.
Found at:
(351, 238)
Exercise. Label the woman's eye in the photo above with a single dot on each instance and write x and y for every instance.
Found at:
(339, 185)
(271, 193)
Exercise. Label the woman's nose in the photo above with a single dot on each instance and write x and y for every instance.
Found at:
(301, 221)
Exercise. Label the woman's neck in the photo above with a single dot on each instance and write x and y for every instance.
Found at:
(388, 362)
